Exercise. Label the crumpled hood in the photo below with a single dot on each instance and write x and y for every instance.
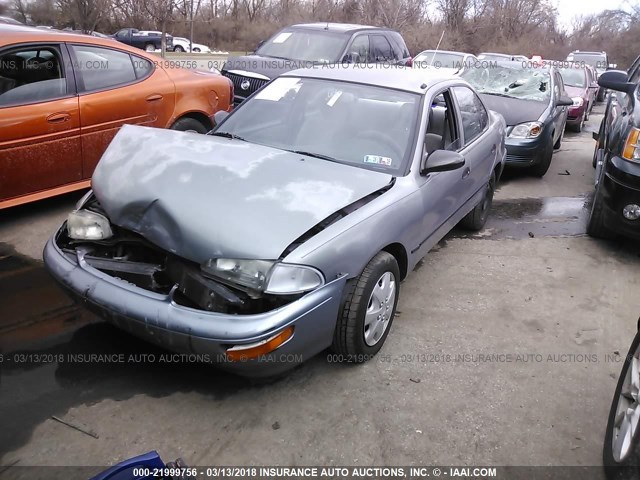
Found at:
(201, 196)
(515, 110)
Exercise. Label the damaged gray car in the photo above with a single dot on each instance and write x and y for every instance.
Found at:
(288, 229)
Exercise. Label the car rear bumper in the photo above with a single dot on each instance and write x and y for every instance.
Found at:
(575, 115)
(158, 319)
(620, 187)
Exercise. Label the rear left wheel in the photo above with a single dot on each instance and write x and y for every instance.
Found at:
(477, 217)
(369, 306)
(189, 125)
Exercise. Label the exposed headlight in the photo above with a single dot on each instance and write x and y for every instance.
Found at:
(631, 148)
(526, 130)
(87, 225)
(264, 275)
(577, 101)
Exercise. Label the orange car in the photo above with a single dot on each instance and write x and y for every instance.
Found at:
(64, 96)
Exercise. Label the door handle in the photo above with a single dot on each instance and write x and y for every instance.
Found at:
(466, 173)
(59, 117)
(153, 98)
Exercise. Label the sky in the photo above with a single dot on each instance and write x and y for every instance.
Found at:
(568, 9)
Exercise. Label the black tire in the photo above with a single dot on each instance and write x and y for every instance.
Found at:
(188, 124)
(349, 336)
(476, 218)
(541, 168)
(558, 144)
(587, 111)
(596, 227)
(578, 128)
(196, 50)
(178, 49)
(150, 47)
(627, 468)
(601, 93)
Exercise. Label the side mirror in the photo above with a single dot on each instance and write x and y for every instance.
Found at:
(219, 117)
(616, 80)
(564, 101)
(442, 161)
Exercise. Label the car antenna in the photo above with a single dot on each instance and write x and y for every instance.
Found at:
(433, 57)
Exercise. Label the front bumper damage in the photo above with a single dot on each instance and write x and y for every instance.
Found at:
(160, 315)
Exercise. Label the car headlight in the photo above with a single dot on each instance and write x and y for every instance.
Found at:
(526, 130)
(88, 225)
(631, 148)
(264, 275)
(577, 101)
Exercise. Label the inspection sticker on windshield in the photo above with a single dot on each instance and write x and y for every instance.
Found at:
(378, 160)
(282, 37)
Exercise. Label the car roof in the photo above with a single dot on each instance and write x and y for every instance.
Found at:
(336, 27)
(444, 51)
(396, 77)
(10, 34)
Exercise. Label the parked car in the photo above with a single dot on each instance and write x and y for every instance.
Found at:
(598, 60)
(502, 57)
(148, 466)
(288, 228)
(10, 21)
(311, 44)
(149, 42)
(582, 87)
(621, 452)
(453, 63)
(63, 97)
(534, 104)
(616, 202)
(181, 44)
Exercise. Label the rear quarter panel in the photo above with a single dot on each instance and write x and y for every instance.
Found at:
(199, 92)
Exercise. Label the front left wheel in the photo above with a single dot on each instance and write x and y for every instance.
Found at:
(368, 308)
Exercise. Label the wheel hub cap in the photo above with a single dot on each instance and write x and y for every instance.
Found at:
(628, 411)
(379, 309)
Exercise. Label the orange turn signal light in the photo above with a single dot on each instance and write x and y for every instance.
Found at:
(631, 144)
(241, 353)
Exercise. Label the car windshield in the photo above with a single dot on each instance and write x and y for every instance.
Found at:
(439, 59)
(574, 77)
(493, 56)
(360, 125)
(307, 45)
(512, 80)
(598, 61)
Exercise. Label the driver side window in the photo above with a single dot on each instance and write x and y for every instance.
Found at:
(442, 130)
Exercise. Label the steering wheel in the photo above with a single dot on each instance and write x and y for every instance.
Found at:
(384, 139)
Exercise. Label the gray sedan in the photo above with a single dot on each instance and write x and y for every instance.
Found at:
(288, 229)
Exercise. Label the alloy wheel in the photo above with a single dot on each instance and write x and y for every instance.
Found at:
(627, 411)
(380, 308)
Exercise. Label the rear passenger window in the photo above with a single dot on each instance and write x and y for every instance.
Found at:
(474, 116)
(102, 68)
(31, 75)
(142, 66)
(381, 48)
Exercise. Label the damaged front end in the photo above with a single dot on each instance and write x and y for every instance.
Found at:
(129, 257)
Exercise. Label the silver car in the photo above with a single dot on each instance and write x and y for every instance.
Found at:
(288, 229)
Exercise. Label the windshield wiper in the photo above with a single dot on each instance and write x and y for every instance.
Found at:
(228, 135)
(315, 155)
(497, 94)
